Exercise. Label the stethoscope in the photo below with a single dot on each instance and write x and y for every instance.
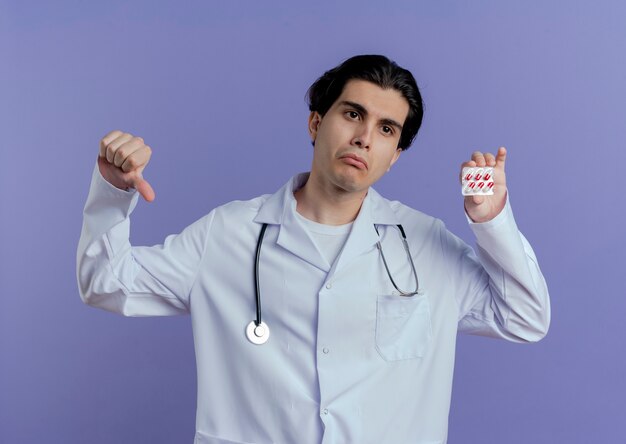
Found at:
(258, 332)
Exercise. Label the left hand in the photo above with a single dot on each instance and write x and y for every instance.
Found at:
(485, 208)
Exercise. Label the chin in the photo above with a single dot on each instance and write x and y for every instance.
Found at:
(351, 184)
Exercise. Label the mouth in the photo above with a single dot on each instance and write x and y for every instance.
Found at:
(353, 159)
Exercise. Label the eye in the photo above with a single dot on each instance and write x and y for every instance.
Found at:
(352, 114)
(387, 130)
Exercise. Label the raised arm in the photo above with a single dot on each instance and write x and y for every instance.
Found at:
(500, 291)
(112, 274)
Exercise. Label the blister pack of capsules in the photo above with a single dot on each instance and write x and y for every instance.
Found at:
(477, 181)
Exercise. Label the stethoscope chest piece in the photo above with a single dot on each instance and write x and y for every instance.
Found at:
(257, 334)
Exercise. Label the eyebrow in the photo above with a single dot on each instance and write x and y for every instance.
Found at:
(360, 108)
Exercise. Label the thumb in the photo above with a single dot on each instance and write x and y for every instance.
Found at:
(145, 189)
(478, 199)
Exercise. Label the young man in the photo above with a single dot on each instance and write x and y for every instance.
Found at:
(355, 339)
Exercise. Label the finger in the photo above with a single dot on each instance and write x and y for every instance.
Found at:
(136, 159)
(108, 138)
(112, 146)
(145, 189)
(490, 159)
(115, 144)
(468, 164)
(501, 157)
(478, 157)
(126, 150)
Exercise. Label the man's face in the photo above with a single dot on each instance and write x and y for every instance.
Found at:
(364, 122)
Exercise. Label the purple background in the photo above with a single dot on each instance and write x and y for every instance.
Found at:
(217, 90)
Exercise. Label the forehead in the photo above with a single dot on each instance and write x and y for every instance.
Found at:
(382, 103)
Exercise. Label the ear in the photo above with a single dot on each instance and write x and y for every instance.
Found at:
(314, 122)
(395, 158)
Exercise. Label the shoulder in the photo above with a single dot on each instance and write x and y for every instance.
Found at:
(420, 228)
(413, 218)
(423, 231)
(406, 212)
(241, 209)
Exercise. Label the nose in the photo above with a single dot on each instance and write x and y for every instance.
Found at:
(363, 137)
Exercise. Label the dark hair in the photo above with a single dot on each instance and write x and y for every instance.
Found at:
(379, 70)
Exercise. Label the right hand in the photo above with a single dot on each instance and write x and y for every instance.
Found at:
(121, 161)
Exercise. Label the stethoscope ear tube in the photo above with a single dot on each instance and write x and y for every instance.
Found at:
(408, 253)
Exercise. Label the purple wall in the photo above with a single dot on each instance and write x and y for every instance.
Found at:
(217, 91)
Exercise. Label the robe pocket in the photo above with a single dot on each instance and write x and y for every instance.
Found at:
(403, 327)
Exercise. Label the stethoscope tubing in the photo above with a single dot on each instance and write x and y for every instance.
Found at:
(408, 253)
(258, 332)
(256, 275)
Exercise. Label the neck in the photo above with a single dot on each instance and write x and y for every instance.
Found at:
(327, 204)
